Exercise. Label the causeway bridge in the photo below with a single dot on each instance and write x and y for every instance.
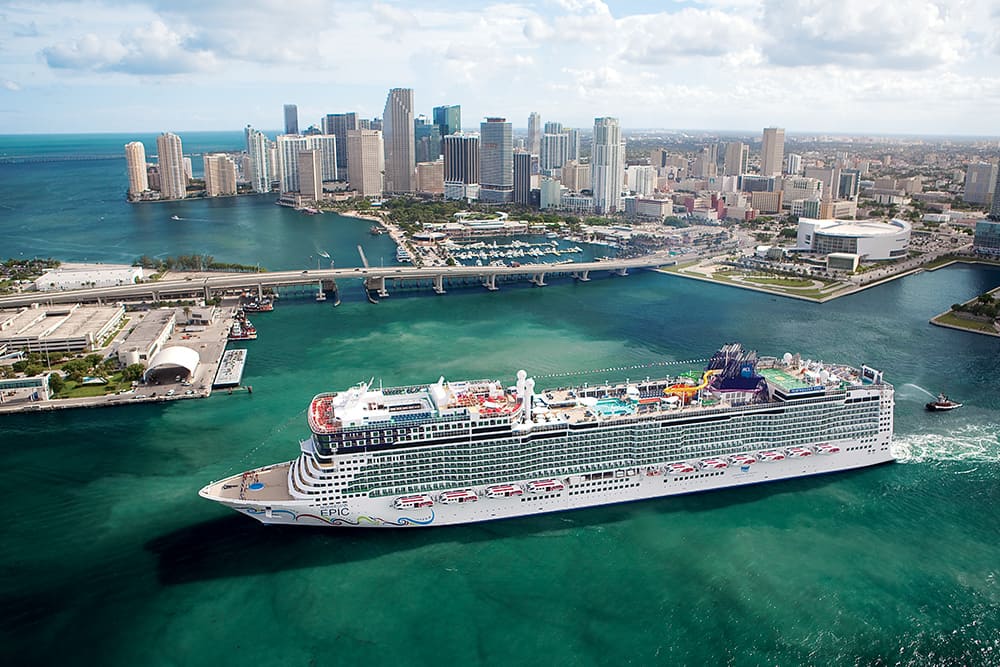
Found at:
(376, 280)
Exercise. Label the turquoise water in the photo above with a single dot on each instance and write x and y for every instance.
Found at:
(109, 557)
(614, 406)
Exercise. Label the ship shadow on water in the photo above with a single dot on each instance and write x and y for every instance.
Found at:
(236, 546)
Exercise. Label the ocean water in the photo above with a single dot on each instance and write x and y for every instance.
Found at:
(110, 557)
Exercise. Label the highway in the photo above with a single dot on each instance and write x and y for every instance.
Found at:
(374, 277)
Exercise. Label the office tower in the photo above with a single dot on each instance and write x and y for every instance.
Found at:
(554, 152)
(427, 137)
(706, 164)
(366, 164)
(575, 176)
(461, 164)
(850, 183)
(574, 144)
(220, 175)
(496, 161)
(258, 148)
(553, 127)
(448, 119)
(772, 151)
(607, 165)
(829, 177)
(737, 157)
(173, 182)
(995, 206)
(430, 177)
(310, 168)
(522, 178)
(794, 164)
(339, 124)
(291, 119)
(641, 180)
(328, 146)
(980, 177)
(374, 124)
(398, 138)
(135, 162)
(289, 146)
(658, 158)
(534, 133)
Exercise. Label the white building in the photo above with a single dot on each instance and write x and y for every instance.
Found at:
(259, 150)
(607, 165)
(173, 180)
(641, 180)
(869, 239)
(105, 275)
(135, 161)
(800, 187)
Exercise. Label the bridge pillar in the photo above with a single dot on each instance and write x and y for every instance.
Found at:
(439, 284)
(490, 282)
(156, 295)
(539, 279)
(208, 293)
(622, 271)
(260, 291)
(582, 276)
(382, 291)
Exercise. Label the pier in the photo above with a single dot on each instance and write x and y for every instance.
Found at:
(230, 369)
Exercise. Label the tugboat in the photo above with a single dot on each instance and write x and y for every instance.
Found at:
(942, 404)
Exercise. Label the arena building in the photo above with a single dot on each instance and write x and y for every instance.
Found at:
(869, 239)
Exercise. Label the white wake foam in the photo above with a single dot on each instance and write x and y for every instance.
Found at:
(977, 443)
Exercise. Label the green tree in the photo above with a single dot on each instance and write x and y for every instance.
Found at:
(133, 372)
(56, 383)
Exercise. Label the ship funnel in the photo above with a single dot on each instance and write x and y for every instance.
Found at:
(529, 392)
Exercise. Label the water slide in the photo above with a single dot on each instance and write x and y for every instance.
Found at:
(687, 391)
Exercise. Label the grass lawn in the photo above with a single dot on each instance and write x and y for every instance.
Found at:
(73, 390)
(972, 325)
(781, 282)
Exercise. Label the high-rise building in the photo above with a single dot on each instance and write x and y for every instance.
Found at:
(607, 164)
(173, 182)
(135, 162)
(522, 178)
(289, 146)
(737, 157)
(794, 164)
(220, 175)
(706, 165)
(995, 206)
(573, 151)
(258, 149)
(554, 152)
(980, 178)
(328, 146)
(291, 119)
(448, 119)
(366, 165)
(461, 164)
(397, 124)
(552, 127)
(641, 179)
(575, 176)
(427, 138)
(430, 177)
(496, 161)
(534, 144)
(310, 163)
(772, 151)
(339, 124)
(850, 184)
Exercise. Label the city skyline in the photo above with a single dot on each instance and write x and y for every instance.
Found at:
(716, 64)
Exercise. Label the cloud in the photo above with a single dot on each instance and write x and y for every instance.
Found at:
(154, 49)
(660, 38)
(12, 86)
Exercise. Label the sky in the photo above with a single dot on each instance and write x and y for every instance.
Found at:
(838, 66)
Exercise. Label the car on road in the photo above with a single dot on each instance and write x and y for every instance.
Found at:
(189, 392)
(171, 392)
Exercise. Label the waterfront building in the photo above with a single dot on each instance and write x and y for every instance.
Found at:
(59, 328)
(576, 202)
(794, 164)
(448, 118)
(148, 337)
(980, 179)
(554, 152)
(736, 159)
(398, 140)
(366, 162)
(550, 193)
(259, 151)
(772, 151)
(534, 144)
(289, 146)
(428, 140)
(135, 162)
(461, 165)
(339, 124)
(310, 168)
(173, 182)
(328, 146)
(496, 161)
(291, 119)
(430, 177)
(869, 239)
(153, 176)
(987, 238)
(220, 175)
(103, 275)
(641, 180)
(607, 164)
(522, 177)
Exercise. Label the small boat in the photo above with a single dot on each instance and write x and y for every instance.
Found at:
(680, 468)
(942, 404)
(827, 448)
(410, 502)
(375, 230)
(175, 217)
(545, 486)
(503, 491)
(743, 461)
(799, 452)
(714, 464)
(771, 456)
(460, 496)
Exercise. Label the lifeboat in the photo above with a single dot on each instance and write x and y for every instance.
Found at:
(799, 452)
(771, 456)
(411, 502)
(460, 496)
(545, 486)
(742, 459)
(680, 468)
(653, 471)
(503, 491)
(713, 464)
(827, 449)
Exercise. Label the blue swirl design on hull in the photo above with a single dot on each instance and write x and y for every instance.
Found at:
(339, 521)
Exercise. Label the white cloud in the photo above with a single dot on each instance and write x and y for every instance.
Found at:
(12, 86)
(657, 39)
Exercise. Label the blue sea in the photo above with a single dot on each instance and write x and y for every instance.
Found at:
(109, 557)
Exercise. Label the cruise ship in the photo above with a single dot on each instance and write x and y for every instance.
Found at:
(461, 452)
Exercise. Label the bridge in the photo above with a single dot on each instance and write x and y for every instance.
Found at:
(376, 280)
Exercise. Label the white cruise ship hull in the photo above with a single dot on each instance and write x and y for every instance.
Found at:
(625, 485)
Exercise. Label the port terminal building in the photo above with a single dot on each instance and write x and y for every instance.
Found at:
(88, 275)
(868, 239)
(59, 328)
(148, 337)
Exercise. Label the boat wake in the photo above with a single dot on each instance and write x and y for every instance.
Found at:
(977, 443)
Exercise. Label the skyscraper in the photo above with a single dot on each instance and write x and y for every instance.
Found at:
(553, 127)
(794, 164)
(397, 126)
(289, 146)
(135, 161)
(574, 144)
(607, 165)
(995, 207)
(534, 133)
(980, 177)
(329, 146)
(496, 161)
(772, 151)
(737, 156)
(258, 148)
(366, 162)
(220, 175)
(291, 119)
(522, 178)
(173, 182)
(427, 137)
(310, 164)
(554, 152)
(461, 164)
(448, 119)
(339, 124)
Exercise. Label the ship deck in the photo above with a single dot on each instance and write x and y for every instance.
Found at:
(260, 485)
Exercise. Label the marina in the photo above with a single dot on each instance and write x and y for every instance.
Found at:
(230, 371)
